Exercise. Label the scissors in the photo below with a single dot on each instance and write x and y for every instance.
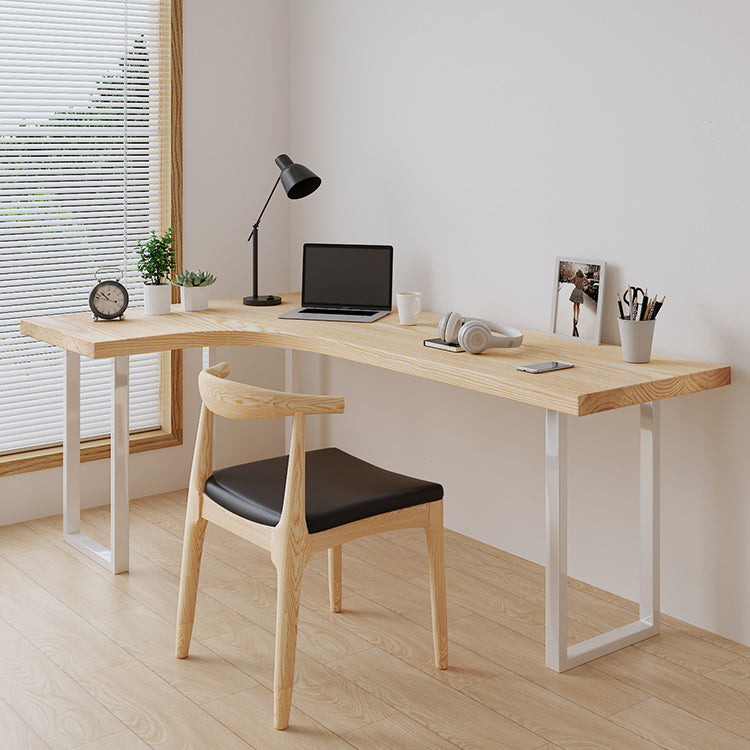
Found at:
(633, 297)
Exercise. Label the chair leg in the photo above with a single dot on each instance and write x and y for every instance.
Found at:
(436, 558)
(289, 583)
(334, 578)
(192, 549)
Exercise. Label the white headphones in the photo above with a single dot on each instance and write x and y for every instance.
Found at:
(474, 336)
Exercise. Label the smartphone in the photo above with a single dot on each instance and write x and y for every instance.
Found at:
(545, 367)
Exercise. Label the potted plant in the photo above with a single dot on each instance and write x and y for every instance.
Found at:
(194, 289)
(155, 263)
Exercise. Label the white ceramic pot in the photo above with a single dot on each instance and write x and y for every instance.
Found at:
(157, 299)
(194, 298)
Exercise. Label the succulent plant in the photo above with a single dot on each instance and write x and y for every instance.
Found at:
(193, 278)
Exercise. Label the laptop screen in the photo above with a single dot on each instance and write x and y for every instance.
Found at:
(357, 276)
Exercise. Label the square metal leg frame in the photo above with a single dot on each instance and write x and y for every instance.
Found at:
(114, 559)
(559, 656)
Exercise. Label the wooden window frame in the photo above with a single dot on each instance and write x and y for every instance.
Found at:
(170, 381)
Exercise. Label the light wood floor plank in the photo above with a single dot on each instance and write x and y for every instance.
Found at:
(397, 732)
(13, 580)
(672, 728)
(736, 675)
(320, 691)
(125, 740)
(66, 639)
(433, 704)
(686, 651)
(202, 678)
(556, 719)
(393, 593)
(407, 641)
(738, 648)
(19, 538)
(247, 714)
(156, 712)
(694, 693)
(86, 658)
(57, 708)
(590, 689)
(16, 733)
(68, 578)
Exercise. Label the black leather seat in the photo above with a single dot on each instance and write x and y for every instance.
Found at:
(339, 489)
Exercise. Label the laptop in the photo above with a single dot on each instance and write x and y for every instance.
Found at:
(345, 282)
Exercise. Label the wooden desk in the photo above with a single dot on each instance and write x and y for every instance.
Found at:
(599, 381)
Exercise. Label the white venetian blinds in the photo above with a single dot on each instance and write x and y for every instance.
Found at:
(83, 166)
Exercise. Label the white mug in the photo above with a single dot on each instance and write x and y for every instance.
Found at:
(409, 306)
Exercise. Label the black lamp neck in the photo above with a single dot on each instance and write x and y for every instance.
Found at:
(263, 210)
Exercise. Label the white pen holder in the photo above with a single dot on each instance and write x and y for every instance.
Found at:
(636, 337)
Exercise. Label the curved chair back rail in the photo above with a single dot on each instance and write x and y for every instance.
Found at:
(234, 400)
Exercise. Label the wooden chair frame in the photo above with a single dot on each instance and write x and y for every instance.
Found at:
(289, 543)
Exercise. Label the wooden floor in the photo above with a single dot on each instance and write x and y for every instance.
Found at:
(86, 658)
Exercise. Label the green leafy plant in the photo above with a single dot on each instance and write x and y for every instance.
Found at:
(193, 278)
(156, 257)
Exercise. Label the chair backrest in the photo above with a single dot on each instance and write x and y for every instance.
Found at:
(240, 401)
(234, 400)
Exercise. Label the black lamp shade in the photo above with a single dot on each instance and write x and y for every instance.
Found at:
(297, 179)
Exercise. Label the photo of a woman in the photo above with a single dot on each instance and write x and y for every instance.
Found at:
(576, 296)
(576, 311)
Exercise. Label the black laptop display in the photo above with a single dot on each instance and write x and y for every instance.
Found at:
(345, 282)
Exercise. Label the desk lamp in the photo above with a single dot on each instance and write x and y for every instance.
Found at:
(299, 182)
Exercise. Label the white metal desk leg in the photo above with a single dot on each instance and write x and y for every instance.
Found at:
(120, 444)
(208, 356)
(556, 579)
(116, 559)
(650, 511)
(559, 656)
(72, 445)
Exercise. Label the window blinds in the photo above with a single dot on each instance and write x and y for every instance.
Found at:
(83, 166)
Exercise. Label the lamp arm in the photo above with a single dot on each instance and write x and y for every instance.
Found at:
(263, 210)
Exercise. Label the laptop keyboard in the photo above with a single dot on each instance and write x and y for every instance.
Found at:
(335, 311)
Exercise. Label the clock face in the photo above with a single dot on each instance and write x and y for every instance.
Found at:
(108, 300)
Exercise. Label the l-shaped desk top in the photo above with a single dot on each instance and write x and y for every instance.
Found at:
(600, 380)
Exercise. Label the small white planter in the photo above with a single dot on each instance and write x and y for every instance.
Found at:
(157, 299)
(194, 298)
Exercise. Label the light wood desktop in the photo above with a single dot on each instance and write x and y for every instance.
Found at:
(600, 381)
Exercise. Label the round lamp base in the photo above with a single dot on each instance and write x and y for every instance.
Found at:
(265, 300)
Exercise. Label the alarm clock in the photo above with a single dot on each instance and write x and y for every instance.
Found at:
(109, 298)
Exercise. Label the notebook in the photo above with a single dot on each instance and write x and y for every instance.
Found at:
(345, 282)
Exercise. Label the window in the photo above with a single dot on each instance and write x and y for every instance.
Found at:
(89, 150)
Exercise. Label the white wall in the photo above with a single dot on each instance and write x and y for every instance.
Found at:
(482, 139)
(236, 120)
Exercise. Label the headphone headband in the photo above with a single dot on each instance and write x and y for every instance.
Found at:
(512, 336)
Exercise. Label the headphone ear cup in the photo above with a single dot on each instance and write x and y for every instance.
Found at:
(442, 325)
(449, 327)
(474, 336)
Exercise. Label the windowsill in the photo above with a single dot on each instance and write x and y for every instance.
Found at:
(93, 450)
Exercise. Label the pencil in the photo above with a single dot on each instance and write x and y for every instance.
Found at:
(644, 307)
(619, 304)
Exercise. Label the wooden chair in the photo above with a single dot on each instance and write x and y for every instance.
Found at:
(296, 506)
